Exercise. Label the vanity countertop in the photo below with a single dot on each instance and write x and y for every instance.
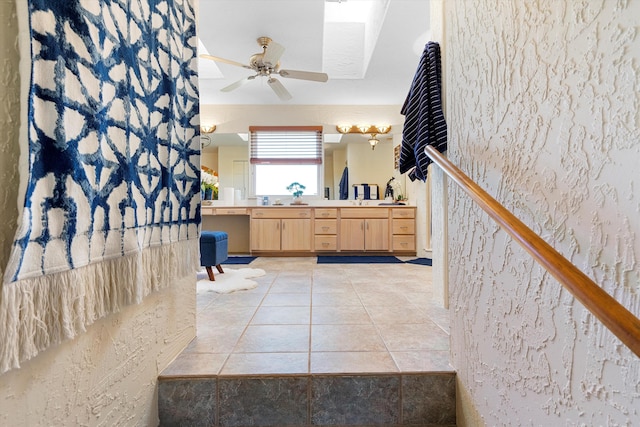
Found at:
(311, 204)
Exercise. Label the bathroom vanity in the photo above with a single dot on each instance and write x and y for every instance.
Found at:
(311, 230)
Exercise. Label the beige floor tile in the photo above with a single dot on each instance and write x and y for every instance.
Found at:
(274, 339)
(286, 315)
(239, 299)
(346, 338)
(287, 299)
(293, 287)
(195, 364)
(266, 363)
(352, 362)
(215, 339)
(339, 315)
(226, 316)
(419, 336)
(336, 299)
(382, 314)
(322, 318)
(422, 360)
(322, 287)
(383, 298)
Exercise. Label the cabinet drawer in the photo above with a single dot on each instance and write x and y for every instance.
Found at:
(206, 211)
(326, 243)
(403, 213)
(326, 213)
(404, 243)
(280, 213)
(364, 213)
(326, 226)
(404, 226)
(230, 211)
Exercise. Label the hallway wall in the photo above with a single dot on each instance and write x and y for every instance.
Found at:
(108, 375)
(542, 104)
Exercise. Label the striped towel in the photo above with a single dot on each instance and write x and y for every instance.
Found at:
(424, 120)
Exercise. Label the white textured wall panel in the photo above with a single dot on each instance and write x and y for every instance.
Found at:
(10, 126)
(543, 101)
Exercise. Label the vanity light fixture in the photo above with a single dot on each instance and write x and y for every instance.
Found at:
(373, 141)
(207, 129)
(378, 130)
(363, 129)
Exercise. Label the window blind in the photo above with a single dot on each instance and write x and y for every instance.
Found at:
(286, 145)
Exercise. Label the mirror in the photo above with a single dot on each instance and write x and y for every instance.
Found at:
(228, 155)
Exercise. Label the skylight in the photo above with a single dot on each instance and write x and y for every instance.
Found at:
(351, 30)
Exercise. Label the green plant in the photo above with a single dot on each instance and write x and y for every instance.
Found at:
(296, 189)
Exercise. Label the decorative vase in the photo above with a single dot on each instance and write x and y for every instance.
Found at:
(297, 201)
(208, 194)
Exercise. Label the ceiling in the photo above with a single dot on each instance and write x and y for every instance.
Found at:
(368, 63)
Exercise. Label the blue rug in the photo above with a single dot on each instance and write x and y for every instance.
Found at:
(239, 260)
(358, 260)
(420, 261)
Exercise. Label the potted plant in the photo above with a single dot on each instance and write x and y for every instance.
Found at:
(296, 190)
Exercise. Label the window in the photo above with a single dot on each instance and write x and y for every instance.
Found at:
(281, 155)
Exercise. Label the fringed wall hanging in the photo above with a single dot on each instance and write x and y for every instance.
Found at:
(111, 211)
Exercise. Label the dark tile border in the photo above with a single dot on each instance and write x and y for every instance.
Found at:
(414, 399)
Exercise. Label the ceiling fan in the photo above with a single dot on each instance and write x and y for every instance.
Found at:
(267, 64)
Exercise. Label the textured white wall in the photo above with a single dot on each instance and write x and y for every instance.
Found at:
(106, 376)
(543, 101)
(10, 125)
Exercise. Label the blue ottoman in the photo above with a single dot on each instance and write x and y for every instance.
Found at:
(214, 248)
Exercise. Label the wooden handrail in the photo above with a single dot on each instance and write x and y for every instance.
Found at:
(611, 313)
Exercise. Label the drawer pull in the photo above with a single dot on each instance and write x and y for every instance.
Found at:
(325, 244)
(404, 228)
(325, 228)
(325, 214)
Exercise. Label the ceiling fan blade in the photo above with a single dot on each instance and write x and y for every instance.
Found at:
(272, 54)
(304, 75)
(237, 84)
(279, 89)
(226, 61)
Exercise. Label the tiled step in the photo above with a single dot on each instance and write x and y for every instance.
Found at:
(405, 399)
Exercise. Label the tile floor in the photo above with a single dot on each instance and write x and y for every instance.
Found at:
(309, 318)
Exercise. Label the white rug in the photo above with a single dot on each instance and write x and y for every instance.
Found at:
(229, 281)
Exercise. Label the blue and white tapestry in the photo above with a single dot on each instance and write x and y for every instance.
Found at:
(111, 209)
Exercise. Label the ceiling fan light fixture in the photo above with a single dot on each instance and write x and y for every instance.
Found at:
(267, 64)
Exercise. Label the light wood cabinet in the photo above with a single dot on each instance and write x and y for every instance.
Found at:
(325, 234)
(265, 234)
(364, 234)
(404, 230)
(274, 229)
(282, 230)
(296, 235)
